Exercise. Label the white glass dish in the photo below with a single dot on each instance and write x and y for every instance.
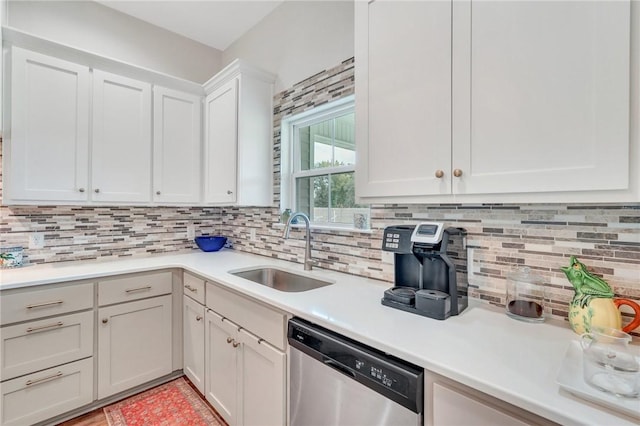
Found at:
(570, 378)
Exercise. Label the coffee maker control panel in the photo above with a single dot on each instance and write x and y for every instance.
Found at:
(397, 238)
(428, 233)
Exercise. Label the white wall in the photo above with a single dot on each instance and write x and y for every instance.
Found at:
(96, 28)
(297, 40)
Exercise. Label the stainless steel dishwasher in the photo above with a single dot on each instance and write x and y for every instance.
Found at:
(337, 381)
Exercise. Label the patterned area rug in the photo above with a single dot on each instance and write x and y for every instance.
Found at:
(174, 403)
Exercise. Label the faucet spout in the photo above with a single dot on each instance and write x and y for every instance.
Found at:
(308, 260)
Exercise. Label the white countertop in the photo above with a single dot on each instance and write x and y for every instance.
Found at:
(482, 348)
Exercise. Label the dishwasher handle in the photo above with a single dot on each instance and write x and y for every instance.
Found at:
(339, 367)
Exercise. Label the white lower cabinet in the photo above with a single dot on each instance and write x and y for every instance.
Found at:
(448, 403)
(245, 375)
(193, 341)
(134, 344)
(35, 397)
(36, 345)
(262, 381)
(46, 353)
(221, 366)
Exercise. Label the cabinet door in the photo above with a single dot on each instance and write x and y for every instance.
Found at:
(403, 107)
(221, 143)
(262, 382)
(176, 146)
(541, 96)
(193, 342)
(134, 344)
(47, 152)
(453, 408)
(221, 359)
(121, 156)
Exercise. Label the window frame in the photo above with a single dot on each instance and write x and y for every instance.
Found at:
(290, 161)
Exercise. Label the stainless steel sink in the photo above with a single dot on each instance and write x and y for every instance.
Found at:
(281, 280)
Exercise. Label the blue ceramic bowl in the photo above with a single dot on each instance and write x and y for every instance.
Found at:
(208, 243)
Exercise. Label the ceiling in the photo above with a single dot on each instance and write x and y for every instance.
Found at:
(216, 23)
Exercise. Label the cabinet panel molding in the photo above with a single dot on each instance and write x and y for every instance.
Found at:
(41, 344)
(193, 349)
(39, 396)
(134, 344)
(121, 146)
(403, 107)
(177, 146)
(221, 144)
(541, 100)
(47, 152)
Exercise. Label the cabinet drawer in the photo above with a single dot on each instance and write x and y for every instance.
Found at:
(259, 319)
(193, 287)
(45, 394)
(134, 287)
(41, 344)
(33, 303)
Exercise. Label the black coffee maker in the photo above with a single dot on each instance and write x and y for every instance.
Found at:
(430, 269)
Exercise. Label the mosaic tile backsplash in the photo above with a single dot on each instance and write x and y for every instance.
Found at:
(500, 237)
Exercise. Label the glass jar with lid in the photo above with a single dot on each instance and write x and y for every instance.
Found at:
(525, 295)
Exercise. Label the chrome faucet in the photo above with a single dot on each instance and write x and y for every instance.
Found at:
(308, 260)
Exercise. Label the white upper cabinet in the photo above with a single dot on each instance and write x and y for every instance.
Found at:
(403, 97)
(541, 96)
(46, 152)
(121, 156)
(221, 144)
(494, 101)
(80, 135)
(238, 149)
(176, 146)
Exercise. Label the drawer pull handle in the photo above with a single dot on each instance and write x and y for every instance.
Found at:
(260, 341)
(193, 289)
(133, 290)
(198, 318)
(44, 379)
(105, 320)
(42, 305)
(229, 340)
(236, 344)
(44, 327)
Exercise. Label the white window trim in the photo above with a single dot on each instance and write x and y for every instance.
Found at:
(288, 169)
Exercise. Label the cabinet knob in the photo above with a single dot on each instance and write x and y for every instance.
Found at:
(439, 173)
(105, 320)
(198, 318)
(236, 344)
(457, 172)
(157, 192)
(81, 190)
(229, 192)
(229, 340)
(96, 190)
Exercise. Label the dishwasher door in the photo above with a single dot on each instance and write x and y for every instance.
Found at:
(336, 381)
(323, 396)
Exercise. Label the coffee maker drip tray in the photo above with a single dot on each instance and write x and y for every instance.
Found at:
(402, 295)
(428, 303)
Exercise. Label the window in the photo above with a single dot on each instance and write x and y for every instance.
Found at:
(318, 166)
